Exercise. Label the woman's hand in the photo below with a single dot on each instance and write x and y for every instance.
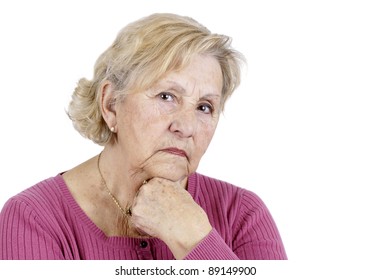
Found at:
(165, 210)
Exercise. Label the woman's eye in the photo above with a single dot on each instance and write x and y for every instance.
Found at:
(166, 96)
(205, 108)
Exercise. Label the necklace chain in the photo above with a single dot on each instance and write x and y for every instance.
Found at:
(126, 212)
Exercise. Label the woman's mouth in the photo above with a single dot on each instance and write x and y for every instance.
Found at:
(175, 151)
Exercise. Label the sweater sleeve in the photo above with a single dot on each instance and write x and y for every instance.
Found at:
(22, 237)
(253, 231)
(256, 236)
(212, 247)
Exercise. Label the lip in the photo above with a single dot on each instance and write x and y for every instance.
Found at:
(175, 151)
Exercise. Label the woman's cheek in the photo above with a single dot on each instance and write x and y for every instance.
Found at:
(204, 136)
(165, 108)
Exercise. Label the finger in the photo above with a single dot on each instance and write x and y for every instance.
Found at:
(165, 182)
(140, 227)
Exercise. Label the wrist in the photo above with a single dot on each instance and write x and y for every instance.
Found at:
(182, 245)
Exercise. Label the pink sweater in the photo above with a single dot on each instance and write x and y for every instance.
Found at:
(45, 222)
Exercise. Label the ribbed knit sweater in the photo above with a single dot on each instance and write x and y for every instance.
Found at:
(45, 222)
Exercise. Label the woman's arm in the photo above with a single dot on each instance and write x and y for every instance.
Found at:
(256, 236)
(22, 237)
(166, 211)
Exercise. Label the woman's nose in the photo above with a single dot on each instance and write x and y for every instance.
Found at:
(184, 123)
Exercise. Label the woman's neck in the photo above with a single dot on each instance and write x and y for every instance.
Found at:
(121, 179)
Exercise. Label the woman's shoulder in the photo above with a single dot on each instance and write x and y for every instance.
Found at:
(43, 196)
(205, 189)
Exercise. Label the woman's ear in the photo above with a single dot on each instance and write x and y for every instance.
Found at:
(107, 104)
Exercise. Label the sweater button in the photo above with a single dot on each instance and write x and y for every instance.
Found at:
(143, 244)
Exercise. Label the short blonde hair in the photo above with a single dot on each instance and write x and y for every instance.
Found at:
(142, 53)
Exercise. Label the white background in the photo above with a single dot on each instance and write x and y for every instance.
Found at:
(297, 132)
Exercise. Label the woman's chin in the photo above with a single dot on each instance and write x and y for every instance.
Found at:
(170, 171)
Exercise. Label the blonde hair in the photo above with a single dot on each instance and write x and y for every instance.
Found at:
(142, 53)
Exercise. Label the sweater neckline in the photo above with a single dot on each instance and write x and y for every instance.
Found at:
(92, 227)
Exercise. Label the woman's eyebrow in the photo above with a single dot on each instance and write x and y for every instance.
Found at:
(176, 86)
(214, 99)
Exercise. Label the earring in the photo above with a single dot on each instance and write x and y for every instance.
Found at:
(112, 129)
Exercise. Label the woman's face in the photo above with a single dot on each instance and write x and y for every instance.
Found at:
(165, 130)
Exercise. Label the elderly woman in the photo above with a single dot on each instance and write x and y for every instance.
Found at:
(154, 104)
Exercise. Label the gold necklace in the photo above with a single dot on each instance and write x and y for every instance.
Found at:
(126, 212)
